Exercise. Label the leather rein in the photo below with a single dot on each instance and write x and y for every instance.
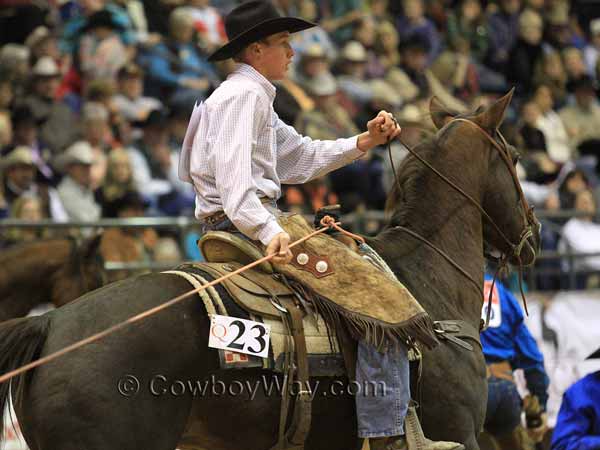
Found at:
(529, 220)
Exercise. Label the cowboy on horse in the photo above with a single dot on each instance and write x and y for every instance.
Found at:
(237, 153)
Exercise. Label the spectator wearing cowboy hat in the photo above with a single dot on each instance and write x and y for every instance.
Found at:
(582, 118)
(26, 133)
(101, 51)
(238, 150)
(18, 177)
(57, 121)
(578, 423)
(75, 188)
(130, 101)
(43, 42)
(353, 73)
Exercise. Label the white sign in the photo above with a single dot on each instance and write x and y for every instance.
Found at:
(496, 310)
(239, 335)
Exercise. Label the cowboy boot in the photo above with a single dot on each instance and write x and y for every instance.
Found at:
(388, 443)
(416, 440)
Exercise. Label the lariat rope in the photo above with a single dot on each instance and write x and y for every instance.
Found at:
(327, 223)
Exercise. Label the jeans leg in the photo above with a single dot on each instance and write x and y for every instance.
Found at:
(504, 406)
(382, 403)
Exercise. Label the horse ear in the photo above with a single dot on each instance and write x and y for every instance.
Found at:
(91, 246)
(492, 117)
(440, 115)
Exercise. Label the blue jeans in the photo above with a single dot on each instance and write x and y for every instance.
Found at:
(382, 415)
(503, 412)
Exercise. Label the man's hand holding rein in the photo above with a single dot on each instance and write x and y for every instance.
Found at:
(380, 130)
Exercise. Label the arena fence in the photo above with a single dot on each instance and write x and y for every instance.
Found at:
(559, 270)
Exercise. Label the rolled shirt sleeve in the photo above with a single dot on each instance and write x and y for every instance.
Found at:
(301, 159)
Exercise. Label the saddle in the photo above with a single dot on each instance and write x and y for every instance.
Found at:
(224, 247)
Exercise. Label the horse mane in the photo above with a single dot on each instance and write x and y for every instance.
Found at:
(403, 197)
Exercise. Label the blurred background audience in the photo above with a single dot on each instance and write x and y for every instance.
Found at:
(95, 96)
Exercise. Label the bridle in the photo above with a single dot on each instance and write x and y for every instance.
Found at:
(529, 220)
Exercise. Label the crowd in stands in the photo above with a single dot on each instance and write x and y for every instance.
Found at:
(95, 96)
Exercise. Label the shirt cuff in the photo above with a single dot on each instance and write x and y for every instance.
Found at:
(269, 231)
(351, 150)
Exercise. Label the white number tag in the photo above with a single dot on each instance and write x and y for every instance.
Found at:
(239, 335)
(496, 310)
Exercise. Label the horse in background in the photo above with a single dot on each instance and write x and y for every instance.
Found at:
(59, 270)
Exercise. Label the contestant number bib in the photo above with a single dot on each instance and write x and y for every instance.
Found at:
(496, 311)
(239, 335)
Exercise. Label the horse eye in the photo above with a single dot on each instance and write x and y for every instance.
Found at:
(516, 158)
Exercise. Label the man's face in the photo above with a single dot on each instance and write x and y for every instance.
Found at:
(276, 55)
(81, 173)
(95, 130)
(585, 202)
(21, 175)
(585, 97)
(31, 210)
(415, 59)
(543, 98)
(315, 66)
(47, 86)
(131, 86)
(26, 133)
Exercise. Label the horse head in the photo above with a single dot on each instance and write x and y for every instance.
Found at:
(83, 273)
(509, 224)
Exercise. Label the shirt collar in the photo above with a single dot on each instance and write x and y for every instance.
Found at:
(250, 72)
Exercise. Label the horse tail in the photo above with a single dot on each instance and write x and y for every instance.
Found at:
(21, 341)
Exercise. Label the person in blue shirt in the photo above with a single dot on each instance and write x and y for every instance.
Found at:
(578, 423)
(507, 346)
(176, 69)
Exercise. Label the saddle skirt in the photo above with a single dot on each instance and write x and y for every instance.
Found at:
(250, 295)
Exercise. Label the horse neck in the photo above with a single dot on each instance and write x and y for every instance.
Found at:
(28, 273)
(452, 224)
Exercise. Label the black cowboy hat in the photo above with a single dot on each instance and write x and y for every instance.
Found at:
(584, 82)
(415, 42)
(130, 199)
(155, 118)
(104, 19)
(251, 22)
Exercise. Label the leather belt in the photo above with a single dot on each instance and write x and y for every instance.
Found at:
(219, 216)
(501, 369)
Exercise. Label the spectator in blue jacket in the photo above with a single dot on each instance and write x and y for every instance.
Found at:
(508, 345)
(503, 32)
(176, 70)
(578, 423)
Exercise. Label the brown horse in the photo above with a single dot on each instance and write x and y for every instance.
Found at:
(48, 271)
(105, 396)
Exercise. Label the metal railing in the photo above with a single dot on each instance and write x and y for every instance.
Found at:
(566, 264)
